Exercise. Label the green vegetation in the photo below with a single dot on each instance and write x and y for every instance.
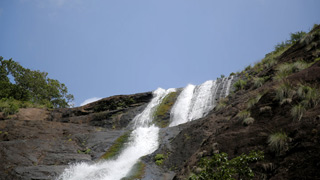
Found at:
(254, 101)
(316, 60)
(294, 38)
(159, 158)
(219, 167)
(248, 121)
(310, 96)
(248, 68)
(222, 103)
(297, 111)
(9, 106)
(116, 148)
(259, 81)
(87, 151)
(269, 62)
(285, 93)
(240, 84)
(164, 109)
(278, 142)
(137, 172)
(29, 87)
(243, 115)
(285, 69)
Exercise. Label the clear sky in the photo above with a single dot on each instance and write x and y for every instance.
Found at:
(100, 48)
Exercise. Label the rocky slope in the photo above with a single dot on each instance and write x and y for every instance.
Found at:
(39, 143)
(224, 131)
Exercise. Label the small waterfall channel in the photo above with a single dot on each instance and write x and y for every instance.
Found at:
(193, 103)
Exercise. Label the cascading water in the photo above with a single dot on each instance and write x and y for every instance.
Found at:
(181, 108)
(193, 103)
(143, 141)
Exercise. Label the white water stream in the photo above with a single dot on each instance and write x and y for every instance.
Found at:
(193, 102)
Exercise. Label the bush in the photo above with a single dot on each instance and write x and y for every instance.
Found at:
(259, 81)
(9, 106)
(254, 101)
(284, 92)
(295, 37)
(248, 68)
(247, 121)
(299, 65)
(297, 111)
(243, 115)
(310, 96)
(270, 62)
(240, 84)
(278, 142)
(219, 167)
(285, 69)
(281, 46)
(159, 158)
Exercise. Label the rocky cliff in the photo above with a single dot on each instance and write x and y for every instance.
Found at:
(224, 130)
(40, 143)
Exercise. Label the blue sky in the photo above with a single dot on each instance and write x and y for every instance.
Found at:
(100, 48)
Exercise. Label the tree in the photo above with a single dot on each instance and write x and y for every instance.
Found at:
(33, 86)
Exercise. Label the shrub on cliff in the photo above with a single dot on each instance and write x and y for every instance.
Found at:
(297, 111)
(285, 93)
(240, 84)
(259, 81)
(278, 142)
(310, 96)
(219, 167)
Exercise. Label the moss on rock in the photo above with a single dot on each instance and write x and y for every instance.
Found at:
(161, 116)
(137, 172)
(115, 149)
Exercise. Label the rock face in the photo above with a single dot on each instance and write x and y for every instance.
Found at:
(39, 144)
(223, 131)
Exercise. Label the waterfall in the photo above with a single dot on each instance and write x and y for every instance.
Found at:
(143, 141)
(145, 118)
(195, 102)
(228, 86)
(181, 108)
